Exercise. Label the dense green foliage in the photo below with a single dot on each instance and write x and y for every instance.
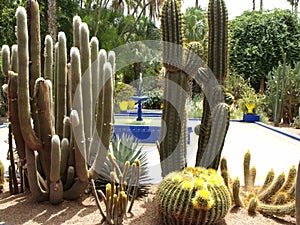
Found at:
(259, 41)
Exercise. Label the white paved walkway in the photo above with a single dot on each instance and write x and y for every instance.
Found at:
(269, 149)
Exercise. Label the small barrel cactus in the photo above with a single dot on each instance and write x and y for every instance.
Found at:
(193, 196)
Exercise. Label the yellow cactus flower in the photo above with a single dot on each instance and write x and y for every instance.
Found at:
(187, 185)
(203, 200)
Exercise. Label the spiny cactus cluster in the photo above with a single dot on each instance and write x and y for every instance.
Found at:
(117, 198)
(56, 147)
(193, 196)
(181, 66)
(275, 197)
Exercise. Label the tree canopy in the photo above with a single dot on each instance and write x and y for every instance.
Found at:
(259, 41)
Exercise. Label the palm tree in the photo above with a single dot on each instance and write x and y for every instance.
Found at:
(253, 3)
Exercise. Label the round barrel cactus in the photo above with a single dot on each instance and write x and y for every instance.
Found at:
(193, 196)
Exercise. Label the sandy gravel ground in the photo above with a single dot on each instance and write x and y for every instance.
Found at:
(21, 209)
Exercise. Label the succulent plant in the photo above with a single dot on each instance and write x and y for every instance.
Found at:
(194, 195)
(274, 197)
(55, 153)
(118, 198)
(125, 148)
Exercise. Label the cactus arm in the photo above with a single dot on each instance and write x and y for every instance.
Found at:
(14, 58)
(48, 58)
(77, 119)
(273, 189)
(65, 145)
(236, 193)
(13, 115)
(220, 124)
(28, 133)
(42, 96)
(107, 121)
(5, 54)
(278, 210)
(61, 84)
(86, 73)
(36, 190)
(172, 148)
(56, 187)
(76, 31)
(70, 178)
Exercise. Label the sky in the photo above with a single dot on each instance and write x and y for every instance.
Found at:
(237, 7)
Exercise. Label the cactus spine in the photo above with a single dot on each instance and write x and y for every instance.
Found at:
(193, 196)
(172, 148)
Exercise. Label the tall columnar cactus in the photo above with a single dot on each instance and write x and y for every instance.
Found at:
(217, 62)
(172, 148)
(54, 156)
(279, 96)
(193, 196)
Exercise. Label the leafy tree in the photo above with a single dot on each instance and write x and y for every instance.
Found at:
(259, 41)
(8, 21)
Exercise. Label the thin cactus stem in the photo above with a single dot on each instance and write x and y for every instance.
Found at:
(13, 115)
(86, 73)
(61, 84)
(14, 58)
(28, 133)
(48, 58)
(5, 54)
(42, 96)
(76, 31)
(172, 148)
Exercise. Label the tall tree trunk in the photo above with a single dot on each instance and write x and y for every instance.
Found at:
(197, 3)
(253, 2)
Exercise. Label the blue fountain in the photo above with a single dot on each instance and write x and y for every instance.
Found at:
(140, 99)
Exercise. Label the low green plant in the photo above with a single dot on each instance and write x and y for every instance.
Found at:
(155, 99)
(123, 149)
(296, 122)
(118, 198)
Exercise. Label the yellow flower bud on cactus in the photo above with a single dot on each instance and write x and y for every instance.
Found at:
(203, 200)
(192, 196)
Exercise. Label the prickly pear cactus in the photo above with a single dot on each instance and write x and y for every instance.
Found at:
(193, 196)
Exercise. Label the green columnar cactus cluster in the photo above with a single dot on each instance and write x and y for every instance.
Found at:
(55, 154)
(193, 196)
(117, 197)
(274, 197)
(181, 66)
(172, 148)
(217, 62)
